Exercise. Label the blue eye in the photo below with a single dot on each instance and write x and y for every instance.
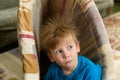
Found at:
(59, 51)
(69, 47)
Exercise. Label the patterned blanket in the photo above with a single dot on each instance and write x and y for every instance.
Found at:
(112, 24)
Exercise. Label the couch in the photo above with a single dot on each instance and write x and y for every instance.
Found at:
(8, 22)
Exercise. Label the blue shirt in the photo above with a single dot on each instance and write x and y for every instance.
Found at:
(85, 70)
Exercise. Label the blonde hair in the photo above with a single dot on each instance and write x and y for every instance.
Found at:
(54, 30)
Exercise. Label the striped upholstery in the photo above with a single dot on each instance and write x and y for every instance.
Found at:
(93, 38)
(27, 38)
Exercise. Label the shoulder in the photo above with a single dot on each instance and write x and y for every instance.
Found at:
(84, 60)
(53, 66)
(90, 68)
(88, 64)
(52, 71)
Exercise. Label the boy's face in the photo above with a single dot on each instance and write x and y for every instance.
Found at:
(65, 53)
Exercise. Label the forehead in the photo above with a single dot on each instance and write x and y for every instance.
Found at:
(60, 41)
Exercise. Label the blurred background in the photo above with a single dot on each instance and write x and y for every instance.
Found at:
(8, 21)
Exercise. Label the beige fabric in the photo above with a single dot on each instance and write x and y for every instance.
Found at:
(11, 64)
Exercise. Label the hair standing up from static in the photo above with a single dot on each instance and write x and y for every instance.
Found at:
(54, 30)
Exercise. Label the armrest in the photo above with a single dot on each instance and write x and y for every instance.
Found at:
(8, 19)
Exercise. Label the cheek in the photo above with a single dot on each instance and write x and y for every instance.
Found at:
(59, 61)
(58, 58)
(74, 53)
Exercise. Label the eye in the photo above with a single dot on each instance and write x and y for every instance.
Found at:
(58, 51)
(69, 47)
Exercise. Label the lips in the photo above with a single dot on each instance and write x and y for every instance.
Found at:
(68, 61)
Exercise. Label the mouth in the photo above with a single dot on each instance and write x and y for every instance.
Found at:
(68, 61)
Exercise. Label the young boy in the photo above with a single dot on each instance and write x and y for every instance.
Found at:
(59, 39)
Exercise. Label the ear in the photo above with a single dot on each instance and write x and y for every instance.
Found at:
(50, 57)
(78, 47)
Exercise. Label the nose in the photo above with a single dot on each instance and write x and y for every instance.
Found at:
(66, 54)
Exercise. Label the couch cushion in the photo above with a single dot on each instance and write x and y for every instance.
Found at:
(11, 65)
